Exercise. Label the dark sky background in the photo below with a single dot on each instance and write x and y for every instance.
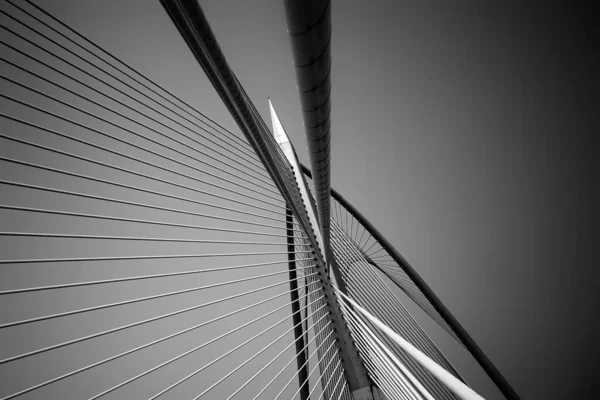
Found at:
(462, 130)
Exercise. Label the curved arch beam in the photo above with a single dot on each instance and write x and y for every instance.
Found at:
(456, 327)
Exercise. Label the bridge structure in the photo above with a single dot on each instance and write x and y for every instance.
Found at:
(148, 252)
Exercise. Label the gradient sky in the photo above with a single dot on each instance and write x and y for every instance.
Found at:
(461, 131)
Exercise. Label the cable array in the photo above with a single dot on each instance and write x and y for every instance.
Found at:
(394, 382)
(327, 370)
(363, 283)
(147, 242)
(164, 256)
(375, 254)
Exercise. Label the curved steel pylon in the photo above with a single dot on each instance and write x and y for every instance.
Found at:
(148, 252)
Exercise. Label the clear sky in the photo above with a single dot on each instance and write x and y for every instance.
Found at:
(461, 130)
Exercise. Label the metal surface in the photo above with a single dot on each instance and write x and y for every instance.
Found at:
(309, 28)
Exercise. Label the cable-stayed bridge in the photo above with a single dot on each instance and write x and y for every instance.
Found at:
(149, 252)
